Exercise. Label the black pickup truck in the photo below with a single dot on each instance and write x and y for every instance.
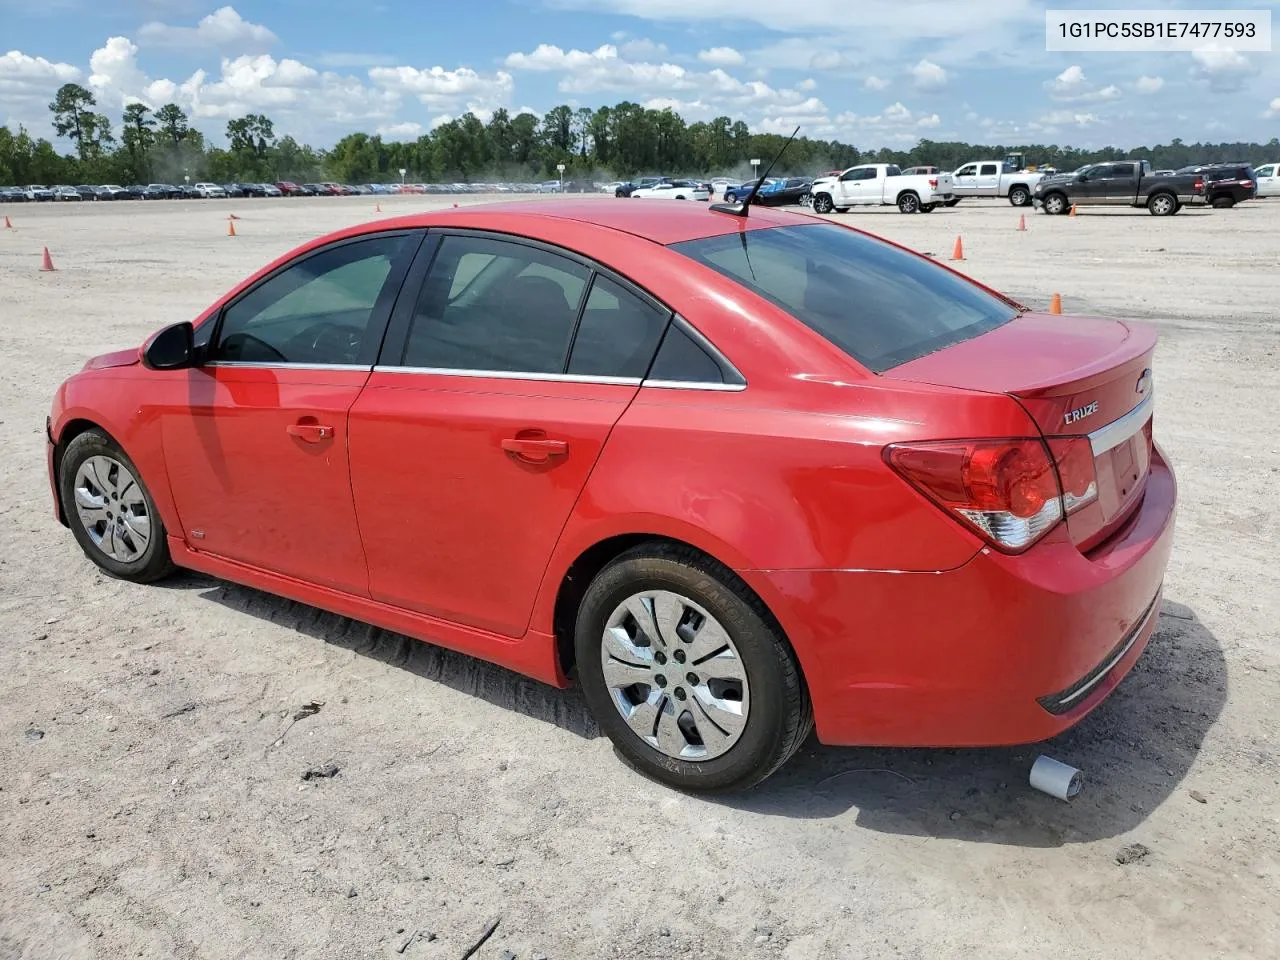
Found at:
(1129, 183)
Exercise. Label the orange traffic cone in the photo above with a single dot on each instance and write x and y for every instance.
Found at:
(232, 216)
(1022, 222)
(7, 224)
(1055, 305)
(46, 264)
(958, 252)
(1073, 211)
(231, 228)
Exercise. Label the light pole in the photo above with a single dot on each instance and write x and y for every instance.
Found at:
(755, 168)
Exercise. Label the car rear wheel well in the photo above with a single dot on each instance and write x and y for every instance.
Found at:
(573, 587)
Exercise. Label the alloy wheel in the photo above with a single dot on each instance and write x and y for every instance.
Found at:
(675, 675)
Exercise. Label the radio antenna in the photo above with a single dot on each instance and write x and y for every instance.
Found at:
(741, 209)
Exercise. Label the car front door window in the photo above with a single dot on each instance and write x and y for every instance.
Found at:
(315, 311)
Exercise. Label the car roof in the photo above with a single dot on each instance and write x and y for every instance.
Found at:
(657, 222)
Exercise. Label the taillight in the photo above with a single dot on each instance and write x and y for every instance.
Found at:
(1199, 186)
(933, 183)
(1006, 490)
(1074, 459)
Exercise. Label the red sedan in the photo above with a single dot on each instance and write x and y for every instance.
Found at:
(737, 477)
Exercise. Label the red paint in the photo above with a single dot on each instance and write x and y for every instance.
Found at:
(451, 508)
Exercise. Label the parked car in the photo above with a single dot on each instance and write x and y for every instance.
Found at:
(209, 191)
(161, 191)
(1225, 185)
(1268, 175)
(63, 192)
(290, 189)
(644, 183)
(36, 192)
(704, 601)
(920, 171)
(136, 191)
(87, 192)
(876, 184)
(112, 191)
(739, 191)
(995, 178)
(12, 195)
(1128, 183)
(673, 190)
(784, 191)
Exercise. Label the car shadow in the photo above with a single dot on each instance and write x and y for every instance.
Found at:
(504, 688)
(1134, 750)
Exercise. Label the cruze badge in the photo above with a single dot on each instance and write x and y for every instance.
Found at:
(1078, 414)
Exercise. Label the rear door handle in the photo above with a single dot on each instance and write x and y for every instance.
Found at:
(534, 449)
(310, 432)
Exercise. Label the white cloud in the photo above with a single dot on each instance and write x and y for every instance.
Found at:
(1224, 70)
(642, 47)
(1149, 85)
(28, 83)
(807, 84)
(722, 57)
(1072, 86)
(1064, 118)
(401, 131)
(224, 29)
(802, 53)
(932, 120)
(440, 121)
(442, 89)
(928, 76)
(356, 60)
(875, 83)
(1274, 109)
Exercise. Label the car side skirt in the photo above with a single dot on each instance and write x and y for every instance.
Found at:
(533, 655)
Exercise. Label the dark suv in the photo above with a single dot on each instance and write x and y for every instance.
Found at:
(1226, 184)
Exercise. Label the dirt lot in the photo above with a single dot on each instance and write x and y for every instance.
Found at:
(147, 811)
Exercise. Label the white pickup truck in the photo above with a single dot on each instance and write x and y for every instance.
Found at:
(992, 178)
(876, 184)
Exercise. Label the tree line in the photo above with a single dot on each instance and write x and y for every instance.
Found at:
(623, 140)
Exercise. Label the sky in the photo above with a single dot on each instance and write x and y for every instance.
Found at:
(869, 73)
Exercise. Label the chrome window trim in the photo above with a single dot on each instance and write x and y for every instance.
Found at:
(509, 375)
(1118, 431)
(275, 365)
(694, 385)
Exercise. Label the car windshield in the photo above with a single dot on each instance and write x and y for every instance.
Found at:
(881, 305)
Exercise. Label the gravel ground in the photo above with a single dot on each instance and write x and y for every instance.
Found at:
(152, 797)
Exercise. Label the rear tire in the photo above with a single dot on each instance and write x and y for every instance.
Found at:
(646, 699)
(1222, 203)
(1019, 196)
(928, 207)
(908, 203)
(110, 511)
(1162, 204)
(952, 202)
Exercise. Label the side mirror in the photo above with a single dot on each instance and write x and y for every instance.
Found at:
(173, 348)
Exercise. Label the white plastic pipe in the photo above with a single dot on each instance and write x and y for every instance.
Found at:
(1055, 778)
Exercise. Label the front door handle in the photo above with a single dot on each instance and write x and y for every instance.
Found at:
(310, 432)
(534, 449)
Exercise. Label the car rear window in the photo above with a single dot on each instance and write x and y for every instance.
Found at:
(881, 305)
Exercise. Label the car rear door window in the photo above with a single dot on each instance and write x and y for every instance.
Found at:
(989, 170)
(883, 306)
(617, 334)
(316, 311)
(495, 305)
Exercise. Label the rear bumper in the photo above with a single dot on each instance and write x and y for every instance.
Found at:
(1001, 650)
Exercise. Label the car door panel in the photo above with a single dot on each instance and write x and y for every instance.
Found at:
(257, 463)
(988, 180)
(257, 451)
(455, 524)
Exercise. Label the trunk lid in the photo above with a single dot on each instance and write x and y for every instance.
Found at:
(1076, 377)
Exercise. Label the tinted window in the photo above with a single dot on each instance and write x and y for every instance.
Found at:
(617, 334)
(989, 170)
(1119, 170)
(493, 305)
(881, 305)
(891, 171)
(682, 358)
(315, 311)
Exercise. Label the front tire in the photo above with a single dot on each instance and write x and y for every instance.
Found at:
(822, 203)
(1054, 203)
(686, 673)
(110, 510)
